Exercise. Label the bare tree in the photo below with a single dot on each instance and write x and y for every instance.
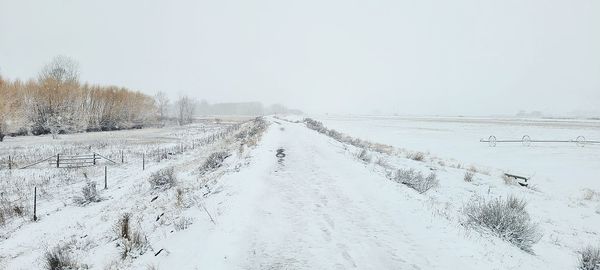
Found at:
(185, 109)
(2, 110)
(56, 111)
(162, 103)
(61, 69)
(189, 112)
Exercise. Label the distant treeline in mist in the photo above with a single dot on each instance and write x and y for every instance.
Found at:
(184, 109)
(242, 108)
(56, 102)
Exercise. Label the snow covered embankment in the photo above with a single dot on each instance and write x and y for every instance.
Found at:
(567, 225)
(90, 235)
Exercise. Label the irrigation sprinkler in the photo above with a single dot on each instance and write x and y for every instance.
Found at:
(527, 141)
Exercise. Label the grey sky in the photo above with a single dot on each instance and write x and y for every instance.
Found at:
(410, 57)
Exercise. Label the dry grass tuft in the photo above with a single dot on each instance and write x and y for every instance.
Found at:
(58, 258)
(469, 176)
(417, 156)
(590, 258)
(416, 180)
(131, 242)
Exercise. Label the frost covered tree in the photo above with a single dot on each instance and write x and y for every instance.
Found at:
(55, 106)
(61, 69)
(10, 107)
(57, 103)
(2, 111)
(162, 104)
(185, 110)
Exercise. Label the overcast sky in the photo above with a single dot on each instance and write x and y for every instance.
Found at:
(468, 57)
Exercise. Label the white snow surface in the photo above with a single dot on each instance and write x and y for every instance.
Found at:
(317, 208)
(320, 209)
(565, 166)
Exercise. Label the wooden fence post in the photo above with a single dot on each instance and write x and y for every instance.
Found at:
(105, 178)
(122, 157)
(143, 161)
(35, 203)
(9, 163)
(94, 159)
(57, 160)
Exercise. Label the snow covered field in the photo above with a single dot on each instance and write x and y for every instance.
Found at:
(62, 220)
(321, 205)
(565, 179)
(561, 166)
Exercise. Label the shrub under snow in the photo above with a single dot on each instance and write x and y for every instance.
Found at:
(417, 156)
(364, 156)
(88, 194)
(590, 258)
(260, 125)
(416, 180)
(506, 218)
(214, 161)
(338, 136)
(10, 209)
(315, 125)
(164, 178)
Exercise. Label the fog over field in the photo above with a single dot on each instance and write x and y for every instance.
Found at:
(276, 135)
(462, 57)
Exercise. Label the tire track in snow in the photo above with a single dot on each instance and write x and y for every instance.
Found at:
(314, 205)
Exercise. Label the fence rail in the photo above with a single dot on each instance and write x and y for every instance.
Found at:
(72, 161)
(149, 153)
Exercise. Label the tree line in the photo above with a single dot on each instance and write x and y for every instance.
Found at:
(56, 102)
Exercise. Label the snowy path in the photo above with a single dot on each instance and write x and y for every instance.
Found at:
(321, 209)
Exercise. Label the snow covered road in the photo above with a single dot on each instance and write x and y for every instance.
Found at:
(319, 208)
